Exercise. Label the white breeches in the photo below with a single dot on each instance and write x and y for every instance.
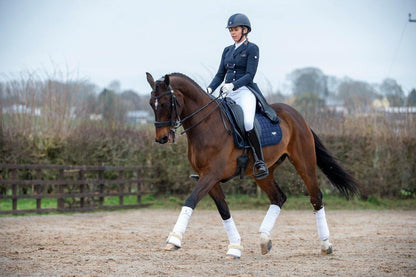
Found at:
(247, 101)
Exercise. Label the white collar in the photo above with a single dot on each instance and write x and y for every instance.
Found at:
(236, 45)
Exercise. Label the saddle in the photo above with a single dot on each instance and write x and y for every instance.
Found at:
(268, 132)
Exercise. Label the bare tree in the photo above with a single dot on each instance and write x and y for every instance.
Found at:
(309, 80)
(357, 95)
(393, 91)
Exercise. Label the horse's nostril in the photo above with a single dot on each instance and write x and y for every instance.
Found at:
(162, 140)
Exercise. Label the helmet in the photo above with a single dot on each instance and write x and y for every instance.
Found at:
(239, 19)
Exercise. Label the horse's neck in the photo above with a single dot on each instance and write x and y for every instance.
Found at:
(194, 99)
(194, 96)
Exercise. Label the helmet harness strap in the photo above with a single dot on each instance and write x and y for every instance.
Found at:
(242, 34)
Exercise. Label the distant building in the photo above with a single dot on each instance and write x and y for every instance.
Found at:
(22, 109)
(336, 105)
(405, 110)
(137, 117)
(96, 116)
(399, 114)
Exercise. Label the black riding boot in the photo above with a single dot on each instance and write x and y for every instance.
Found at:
(260, 170)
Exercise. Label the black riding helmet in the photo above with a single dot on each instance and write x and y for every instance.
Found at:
(239, 19)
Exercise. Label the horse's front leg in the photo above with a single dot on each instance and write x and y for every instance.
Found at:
(234, 248)
(174, 240)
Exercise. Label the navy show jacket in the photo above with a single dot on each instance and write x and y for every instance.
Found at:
(238, 66)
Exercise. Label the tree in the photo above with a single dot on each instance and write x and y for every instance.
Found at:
(332, 84)
(357, 95)
(309, 88)
(411, 98)
(130, 100)
(309, 104)
(115, 86)
(276, 97)
(393, 91)
(2, 91)
(109, 104)
(86, 99)
(309, 80)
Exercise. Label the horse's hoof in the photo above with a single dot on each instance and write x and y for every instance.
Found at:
(326, 247)
(265, 247)
(171, 247)
(232, 257)
(265, 243)
(327, 251)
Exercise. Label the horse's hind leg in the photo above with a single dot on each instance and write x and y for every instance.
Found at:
(277, 199)
(234, 248)
(306, 168)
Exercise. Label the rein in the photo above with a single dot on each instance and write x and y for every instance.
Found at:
(175, 123)
(198, 111)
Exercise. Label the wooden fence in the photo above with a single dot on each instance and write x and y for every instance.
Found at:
(75, 188)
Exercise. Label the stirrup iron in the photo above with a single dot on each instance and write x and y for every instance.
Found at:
(260, 174)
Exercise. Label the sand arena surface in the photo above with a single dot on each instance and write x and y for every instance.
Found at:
(130, 243)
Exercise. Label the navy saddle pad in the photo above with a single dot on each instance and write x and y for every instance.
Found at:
(271, 133)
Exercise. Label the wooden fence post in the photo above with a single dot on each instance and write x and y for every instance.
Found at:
(38, 190)
(139, 186)
(101, 186)
(81, 187)
(120, 198)
(61, 200)
(14, 190)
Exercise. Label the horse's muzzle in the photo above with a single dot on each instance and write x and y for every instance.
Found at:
(170, 137)
(162, 140)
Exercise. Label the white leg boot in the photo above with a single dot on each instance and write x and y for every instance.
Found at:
(323, 231)
(266, 228)
(175, 237)
(234, 248)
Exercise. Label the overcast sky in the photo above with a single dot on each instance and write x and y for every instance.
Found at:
(103, 41)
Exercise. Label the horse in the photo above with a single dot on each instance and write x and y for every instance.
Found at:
(177, 101)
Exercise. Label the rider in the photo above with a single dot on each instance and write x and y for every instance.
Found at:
(238, 66)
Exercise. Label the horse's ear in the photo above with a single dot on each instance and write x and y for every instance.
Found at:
(150, 80)
(166, 80)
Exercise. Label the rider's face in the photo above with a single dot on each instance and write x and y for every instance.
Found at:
(235, 33)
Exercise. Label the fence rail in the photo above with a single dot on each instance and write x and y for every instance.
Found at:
(76, 188)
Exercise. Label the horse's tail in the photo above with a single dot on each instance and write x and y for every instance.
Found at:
(338, 177)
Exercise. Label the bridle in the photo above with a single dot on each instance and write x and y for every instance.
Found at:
(176, 122)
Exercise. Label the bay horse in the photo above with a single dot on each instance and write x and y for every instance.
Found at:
(179, 101)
